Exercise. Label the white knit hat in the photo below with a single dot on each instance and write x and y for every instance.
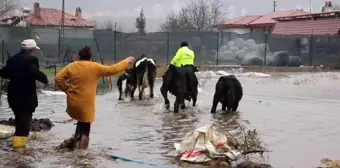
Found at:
(29, 43)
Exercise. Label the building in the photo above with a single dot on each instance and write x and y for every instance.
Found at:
(45, 22)
(256, 23)
(326, 23)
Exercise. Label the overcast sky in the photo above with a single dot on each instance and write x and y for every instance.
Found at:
(125, 11)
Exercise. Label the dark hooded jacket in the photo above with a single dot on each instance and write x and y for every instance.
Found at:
(22, 70)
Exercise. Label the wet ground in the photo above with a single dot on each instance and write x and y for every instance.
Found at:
(296, 114)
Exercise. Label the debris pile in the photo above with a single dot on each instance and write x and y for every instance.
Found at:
(210, 146)
(37, 125)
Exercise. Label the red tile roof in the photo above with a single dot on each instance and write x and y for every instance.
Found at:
(240, 21)
(328, 26)
(256, 20)
(52, 17)
(268, 19)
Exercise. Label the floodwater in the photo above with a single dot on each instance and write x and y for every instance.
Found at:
(296, 114)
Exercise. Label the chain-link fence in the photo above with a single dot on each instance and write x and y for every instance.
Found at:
(213, 48)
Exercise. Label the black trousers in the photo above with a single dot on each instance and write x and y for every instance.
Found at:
(82, 129)
(23, 119)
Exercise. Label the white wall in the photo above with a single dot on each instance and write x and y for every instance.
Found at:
(237, 30)
(78, 33)
(242, 30)
(47, 35)
(50, 35)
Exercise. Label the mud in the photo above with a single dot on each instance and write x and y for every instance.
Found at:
(37, 125)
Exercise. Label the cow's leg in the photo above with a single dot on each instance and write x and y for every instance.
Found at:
(230, 100)
(179, 101)
(235, 106)
(183, 106)
(224, 107)
(180, 98)
(194, 98)
(164, 91)
(120, 89)
(215, 103)
(141, 90)
(151, 78)
(151, 87)
(132, 92)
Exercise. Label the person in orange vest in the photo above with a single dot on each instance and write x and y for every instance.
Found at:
(79, 81)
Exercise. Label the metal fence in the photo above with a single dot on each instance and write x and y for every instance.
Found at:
(214, 48)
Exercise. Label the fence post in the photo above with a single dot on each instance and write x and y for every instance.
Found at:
(265, 46)
(311, 50)
(217, 47)
(115, 46)
(3, 62)
(55, 74)
(167, 48)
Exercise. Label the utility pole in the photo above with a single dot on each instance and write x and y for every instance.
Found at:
(274, 5)
(61, 31)
(310, 6)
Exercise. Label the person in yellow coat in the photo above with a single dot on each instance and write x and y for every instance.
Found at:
(79, 81)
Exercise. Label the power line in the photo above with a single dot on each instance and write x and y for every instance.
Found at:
(274, 5)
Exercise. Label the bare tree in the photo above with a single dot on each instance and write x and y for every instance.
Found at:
(171, 23)
(6, 6)
(336, 7)
(198, 15)
(95, 24)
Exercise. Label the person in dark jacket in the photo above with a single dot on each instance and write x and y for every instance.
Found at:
(22, 70)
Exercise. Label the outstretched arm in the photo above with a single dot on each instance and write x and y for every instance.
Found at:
(103, 70)
(60, 79)
(38, 75)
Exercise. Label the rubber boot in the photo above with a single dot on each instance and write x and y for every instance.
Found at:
(84, 142)
(19, 143)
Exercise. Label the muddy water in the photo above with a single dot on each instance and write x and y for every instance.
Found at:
(296, 114)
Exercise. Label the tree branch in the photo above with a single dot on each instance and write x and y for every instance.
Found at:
(198, 15)
(6, 6)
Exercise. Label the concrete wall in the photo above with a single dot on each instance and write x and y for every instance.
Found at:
(51, 35)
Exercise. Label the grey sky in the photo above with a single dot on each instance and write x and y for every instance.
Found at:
(125, 11)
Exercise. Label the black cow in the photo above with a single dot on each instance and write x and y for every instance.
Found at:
(228, 92)
(182, 83)
(128, 76)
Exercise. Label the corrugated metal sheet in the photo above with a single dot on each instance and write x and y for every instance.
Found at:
(329, 26)
(268, 19)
